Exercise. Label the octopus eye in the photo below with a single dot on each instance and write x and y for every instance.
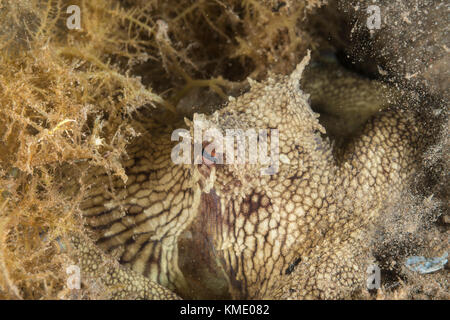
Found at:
(209, 158)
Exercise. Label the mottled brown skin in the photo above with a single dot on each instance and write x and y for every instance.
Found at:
(227, 231)
(118, 282)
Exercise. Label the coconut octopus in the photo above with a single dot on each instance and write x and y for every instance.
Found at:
(209, 230)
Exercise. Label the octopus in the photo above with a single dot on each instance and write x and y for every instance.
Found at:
(224, 230)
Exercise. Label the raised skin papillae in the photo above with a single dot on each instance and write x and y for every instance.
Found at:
(227, 231)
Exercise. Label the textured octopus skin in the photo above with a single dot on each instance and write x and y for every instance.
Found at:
(219, 231)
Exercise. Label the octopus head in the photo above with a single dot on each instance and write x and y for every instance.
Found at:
(270, 130)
